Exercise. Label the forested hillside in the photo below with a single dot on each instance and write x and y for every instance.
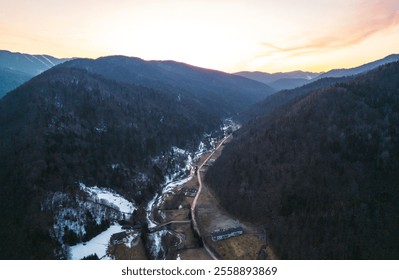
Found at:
(216, 92)
(321, 175)
(277, 101)
(119, 123)
(68, 126)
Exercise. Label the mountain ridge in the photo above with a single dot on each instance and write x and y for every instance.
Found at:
(17, 68)
(334, 73)
(289, 80)
(267, 78)
(176, 77)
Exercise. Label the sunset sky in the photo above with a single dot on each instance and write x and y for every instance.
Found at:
(228, 35)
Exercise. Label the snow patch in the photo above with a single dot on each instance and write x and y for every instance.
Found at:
(51, 63)
(156, 243)
(101, 129)
(73, 212)
(27, 57)
(97, 245)
(150, 205)
(40, 61)
(177, 150)
(110, 197)
(162, 214)
(229, 126)
(132, 240)
(114, 166)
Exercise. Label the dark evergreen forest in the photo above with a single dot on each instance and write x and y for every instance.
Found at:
(321, 174)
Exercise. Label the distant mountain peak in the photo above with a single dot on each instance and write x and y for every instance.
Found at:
(342, 72)
(17, 68)
(280, 80)
(293, 79)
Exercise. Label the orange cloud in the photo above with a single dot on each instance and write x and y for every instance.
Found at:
(370, 18)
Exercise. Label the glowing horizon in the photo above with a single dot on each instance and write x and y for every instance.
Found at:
(226, 35)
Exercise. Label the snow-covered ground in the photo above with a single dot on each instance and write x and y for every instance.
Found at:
(97, 245)
(110, 197)
(72, 212)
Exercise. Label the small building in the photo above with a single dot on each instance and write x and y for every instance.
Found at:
(223, 234)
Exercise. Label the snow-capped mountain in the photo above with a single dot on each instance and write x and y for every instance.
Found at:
(17, 68)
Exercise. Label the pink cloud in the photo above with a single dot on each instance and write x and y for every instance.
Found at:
(370, 18)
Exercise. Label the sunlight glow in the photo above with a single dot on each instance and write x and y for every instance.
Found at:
(233, 35)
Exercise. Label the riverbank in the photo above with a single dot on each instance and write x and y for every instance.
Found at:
(182, 241)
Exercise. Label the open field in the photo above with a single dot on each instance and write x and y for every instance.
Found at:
(122, 252)
(211, 216)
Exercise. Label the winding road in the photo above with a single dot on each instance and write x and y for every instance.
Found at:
(193, 214)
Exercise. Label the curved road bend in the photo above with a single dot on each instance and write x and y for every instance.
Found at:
(195, 225)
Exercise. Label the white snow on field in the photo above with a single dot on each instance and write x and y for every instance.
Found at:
(110, 197)
(97, 245)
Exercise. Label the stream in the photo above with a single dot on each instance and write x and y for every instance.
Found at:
(172, 182)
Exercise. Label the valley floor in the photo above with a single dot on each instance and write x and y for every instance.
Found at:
(210, 216)
(171, 226)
